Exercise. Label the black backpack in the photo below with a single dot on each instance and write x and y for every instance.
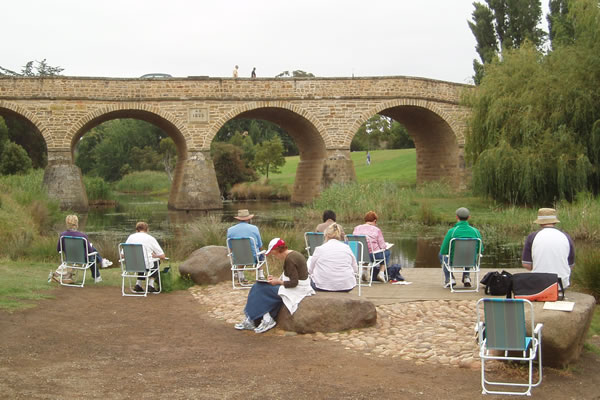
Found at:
(497, 283)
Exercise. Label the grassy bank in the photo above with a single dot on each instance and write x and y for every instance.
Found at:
(147, 182)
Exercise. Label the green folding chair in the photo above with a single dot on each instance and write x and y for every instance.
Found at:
(137, 264)
(464, 256)
(245, 256)
(502, 333)
(313, 240)
(74, 256)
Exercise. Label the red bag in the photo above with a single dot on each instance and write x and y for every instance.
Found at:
(537, 286)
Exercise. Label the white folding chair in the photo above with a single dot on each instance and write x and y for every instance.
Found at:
(74, 256)
(137, 264)
(245, 256)
(502, 333)
(464, 256)
(369, 260)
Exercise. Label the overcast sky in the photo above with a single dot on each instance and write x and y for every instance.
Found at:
(129, 38)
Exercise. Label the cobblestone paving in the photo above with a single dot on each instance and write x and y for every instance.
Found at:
(438, 332)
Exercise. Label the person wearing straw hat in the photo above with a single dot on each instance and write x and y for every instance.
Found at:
(244, 229)
(549, 249)
(265, 298)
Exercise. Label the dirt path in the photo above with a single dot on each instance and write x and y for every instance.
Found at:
(93, 343)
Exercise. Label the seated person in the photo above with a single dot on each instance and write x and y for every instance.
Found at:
(154, 254)
(461, 229)
(265, 298)
(375, 242)
(244, 229)
(328, 219)
(72, 223)
(333, 267)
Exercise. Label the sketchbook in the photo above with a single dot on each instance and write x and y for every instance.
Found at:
(559, 305)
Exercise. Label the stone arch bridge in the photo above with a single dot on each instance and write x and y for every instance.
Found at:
(321, 114)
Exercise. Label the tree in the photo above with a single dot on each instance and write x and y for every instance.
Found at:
(296, 74)
(380, 132)
(168, 150)
(229, 166)
(34, 68)
(559, 27)
(14, 159)
(269, 157)
(504, 24)
(534, 131)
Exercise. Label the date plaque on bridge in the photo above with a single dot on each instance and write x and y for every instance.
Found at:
(198, 115)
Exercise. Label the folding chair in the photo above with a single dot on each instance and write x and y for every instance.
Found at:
(365, 257)
(134, 262)
(464, 256)
(357, 250)
(242, 257)
(503, 332)
(74, 256)
(313, 240)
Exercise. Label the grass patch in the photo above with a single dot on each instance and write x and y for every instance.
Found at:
(148, 182)
(261, 191)
(97, 189)
(386, 165)
(23, 283)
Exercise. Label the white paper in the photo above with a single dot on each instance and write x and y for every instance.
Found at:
(559, 305)
(401, 283)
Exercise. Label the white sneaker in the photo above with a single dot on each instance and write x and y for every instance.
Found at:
(245, 324)
(106, 263)
(467, 281)
(381, 277)
(265, 325)
(261, 275)
(98, 279)
(452, 282)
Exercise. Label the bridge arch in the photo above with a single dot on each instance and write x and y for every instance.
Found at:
(168, 123)
(438, 137)
(308, 133)
(8, 108)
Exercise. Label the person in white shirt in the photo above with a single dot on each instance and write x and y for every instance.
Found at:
(333, 267)
(153, 250)
(549, 249)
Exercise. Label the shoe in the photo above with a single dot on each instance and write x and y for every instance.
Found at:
(66, 279)
(261, 275)
(449, 282)
(245, 324)
(98, 279)
(106, 263)
(139, 289)
(152, 289)
(265, 325)
(399, 278)
(467, 281)
(381, 277)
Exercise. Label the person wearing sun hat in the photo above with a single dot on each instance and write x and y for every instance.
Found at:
(245, 229)
(549, 249)
(265, 298)
(461, 229)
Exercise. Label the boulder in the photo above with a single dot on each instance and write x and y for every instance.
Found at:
(328, 312)
(207, 265)
(564, 333)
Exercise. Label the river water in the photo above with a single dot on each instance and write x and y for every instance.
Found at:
(410, 250)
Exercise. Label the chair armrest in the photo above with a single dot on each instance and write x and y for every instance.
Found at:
(261, 252)
(538, 329)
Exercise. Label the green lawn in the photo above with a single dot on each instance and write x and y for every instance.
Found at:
(386, 165)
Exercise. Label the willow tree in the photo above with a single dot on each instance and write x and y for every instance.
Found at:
(534, 134)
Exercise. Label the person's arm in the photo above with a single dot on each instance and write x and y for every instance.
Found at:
(312, 261)
(380, 240)
(291, 271)
(526, 258)
(354, 263)
(445, 243)
(571, 257)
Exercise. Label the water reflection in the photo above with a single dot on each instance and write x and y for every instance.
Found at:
(410, 251)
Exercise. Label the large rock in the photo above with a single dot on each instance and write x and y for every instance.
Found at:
(328, 312)
(564, 333)
(207, 265)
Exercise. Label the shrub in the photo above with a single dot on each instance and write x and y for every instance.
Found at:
(97, 189)
(14, 160)
(144, 182)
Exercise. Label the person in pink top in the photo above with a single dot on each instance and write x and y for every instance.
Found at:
(375, 242)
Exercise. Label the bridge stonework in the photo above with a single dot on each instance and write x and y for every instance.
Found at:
(322, 115)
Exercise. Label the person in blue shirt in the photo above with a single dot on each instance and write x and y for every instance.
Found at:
(245, 229)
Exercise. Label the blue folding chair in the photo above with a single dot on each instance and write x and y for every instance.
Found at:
(502, 333)
(313, 240)
(368, 261)
(357, 250)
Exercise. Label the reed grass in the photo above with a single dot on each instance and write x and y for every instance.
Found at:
(260, 191)
(149, 182)
(97, 189)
